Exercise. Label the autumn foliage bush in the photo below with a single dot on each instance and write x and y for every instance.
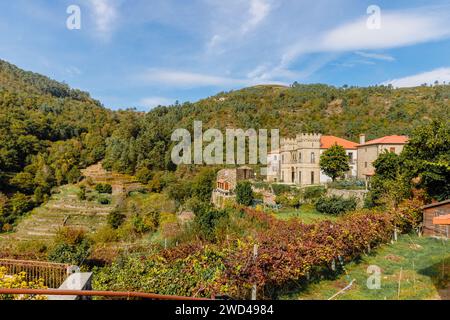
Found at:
(408, 215)
(287, 251)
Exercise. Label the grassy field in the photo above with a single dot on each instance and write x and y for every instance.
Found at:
(307, 214)
(420, 265)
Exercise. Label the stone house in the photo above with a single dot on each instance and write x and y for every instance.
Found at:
(369, 151)
(226, 182)
(350, 149)
(300, 158)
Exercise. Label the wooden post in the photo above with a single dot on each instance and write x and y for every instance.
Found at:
(399, 283)
(254, 288)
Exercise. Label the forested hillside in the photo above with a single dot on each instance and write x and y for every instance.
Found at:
(344, 112)
(47, 133)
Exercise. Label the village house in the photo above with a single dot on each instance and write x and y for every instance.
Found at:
(350, 149)
(226, 182)
(369, 151)
(436, 219)
(298, 159)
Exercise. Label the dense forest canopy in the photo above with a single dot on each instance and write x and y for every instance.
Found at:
(48, 131)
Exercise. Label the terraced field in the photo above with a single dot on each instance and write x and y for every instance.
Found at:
(65, 209)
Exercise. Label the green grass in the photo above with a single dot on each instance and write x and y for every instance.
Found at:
(307, 214)
(424, 264)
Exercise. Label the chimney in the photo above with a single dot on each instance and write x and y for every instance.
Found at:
(362, 139)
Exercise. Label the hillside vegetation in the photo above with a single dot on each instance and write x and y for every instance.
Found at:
(344, 112)
(47, 133)
(50, 132)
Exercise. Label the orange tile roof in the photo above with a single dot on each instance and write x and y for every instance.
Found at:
(442, 220)
(387, 140)
(329, 141)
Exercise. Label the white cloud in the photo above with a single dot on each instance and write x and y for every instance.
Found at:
(441, 75)
(375, 56)
(152, 102)
(105, 15)
(175, 78)
(249, 14)
(73, 71)
(398, 29)
(258, 11)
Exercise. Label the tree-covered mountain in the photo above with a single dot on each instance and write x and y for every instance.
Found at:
(47, 133)
(344, 112)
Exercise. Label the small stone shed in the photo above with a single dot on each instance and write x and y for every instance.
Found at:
(436, 219)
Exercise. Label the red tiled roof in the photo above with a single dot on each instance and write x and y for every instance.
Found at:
(387, 140)
(329, 141)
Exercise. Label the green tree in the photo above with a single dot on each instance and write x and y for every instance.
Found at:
(387, 165)
(82, 193)
(38, 195)
(207, 219)
(427, 157)
(144, 175)
(389, 186)
(244, 193)
(20, 204)
(73, 175)
(203, 184)
(103, 188)
(334, 162)
(116, 219)
(24, 181)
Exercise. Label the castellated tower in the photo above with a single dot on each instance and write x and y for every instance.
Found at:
(287, 144)
(308, 140)
(300, 159)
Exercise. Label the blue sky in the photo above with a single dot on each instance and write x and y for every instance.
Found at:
(141, 53)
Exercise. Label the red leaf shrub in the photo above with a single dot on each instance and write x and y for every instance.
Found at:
(288, 250)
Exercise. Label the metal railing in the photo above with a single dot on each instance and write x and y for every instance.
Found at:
(53, 274)
(109, 294)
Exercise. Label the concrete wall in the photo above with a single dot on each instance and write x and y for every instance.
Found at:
(76, 281)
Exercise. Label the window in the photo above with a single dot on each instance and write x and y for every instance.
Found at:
(313, 157)
(312, 177)
(365, 164)
(275, 158)
(350, 157)
(300, 157)
(300, 177)
(282, 157)
(392, 149)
